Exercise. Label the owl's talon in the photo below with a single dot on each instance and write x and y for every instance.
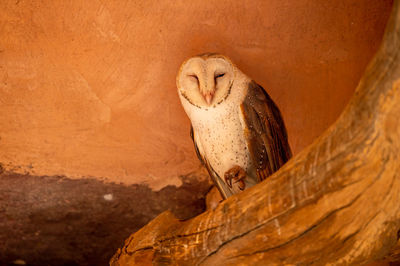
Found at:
(238, 175)
(241, 185)
(228, 179)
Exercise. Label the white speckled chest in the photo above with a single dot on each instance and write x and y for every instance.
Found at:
(219, 133)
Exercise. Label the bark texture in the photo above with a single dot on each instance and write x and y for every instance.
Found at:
(337, 202)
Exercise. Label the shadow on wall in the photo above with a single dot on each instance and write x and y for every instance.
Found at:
(58, 221)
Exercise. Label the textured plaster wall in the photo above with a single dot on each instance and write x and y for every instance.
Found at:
(87, 88)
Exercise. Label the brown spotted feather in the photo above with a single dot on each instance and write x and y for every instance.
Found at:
(265, 133)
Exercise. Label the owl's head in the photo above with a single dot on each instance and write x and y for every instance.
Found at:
(205, 80)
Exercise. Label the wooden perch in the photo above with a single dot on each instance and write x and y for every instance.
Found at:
(337, 202)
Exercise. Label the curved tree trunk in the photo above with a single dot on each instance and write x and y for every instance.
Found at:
(337, 202)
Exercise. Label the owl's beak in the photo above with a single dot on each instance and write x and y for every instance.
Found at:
(208, 97)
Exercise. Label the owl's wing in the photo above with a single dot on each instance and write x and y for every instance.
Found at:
(195, 146)
(219, 183)
(265, 132)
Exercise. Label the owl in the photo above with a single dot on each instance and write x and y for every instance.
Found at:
(237, 130)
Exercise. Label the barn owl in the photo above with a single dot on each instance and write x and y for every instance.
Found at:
(237, 130)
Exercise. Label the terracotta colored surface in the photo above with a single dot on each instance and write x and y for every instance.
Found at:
(87, 88)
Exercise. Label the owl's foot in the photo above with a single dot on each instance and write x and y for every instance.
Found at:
(237, 174)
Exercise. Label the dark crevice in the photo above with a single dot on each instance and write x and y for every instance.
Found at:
(130, 253)
(161, 241)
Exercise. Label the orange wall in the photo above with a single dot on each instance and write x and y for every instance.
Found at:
(87, 88)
